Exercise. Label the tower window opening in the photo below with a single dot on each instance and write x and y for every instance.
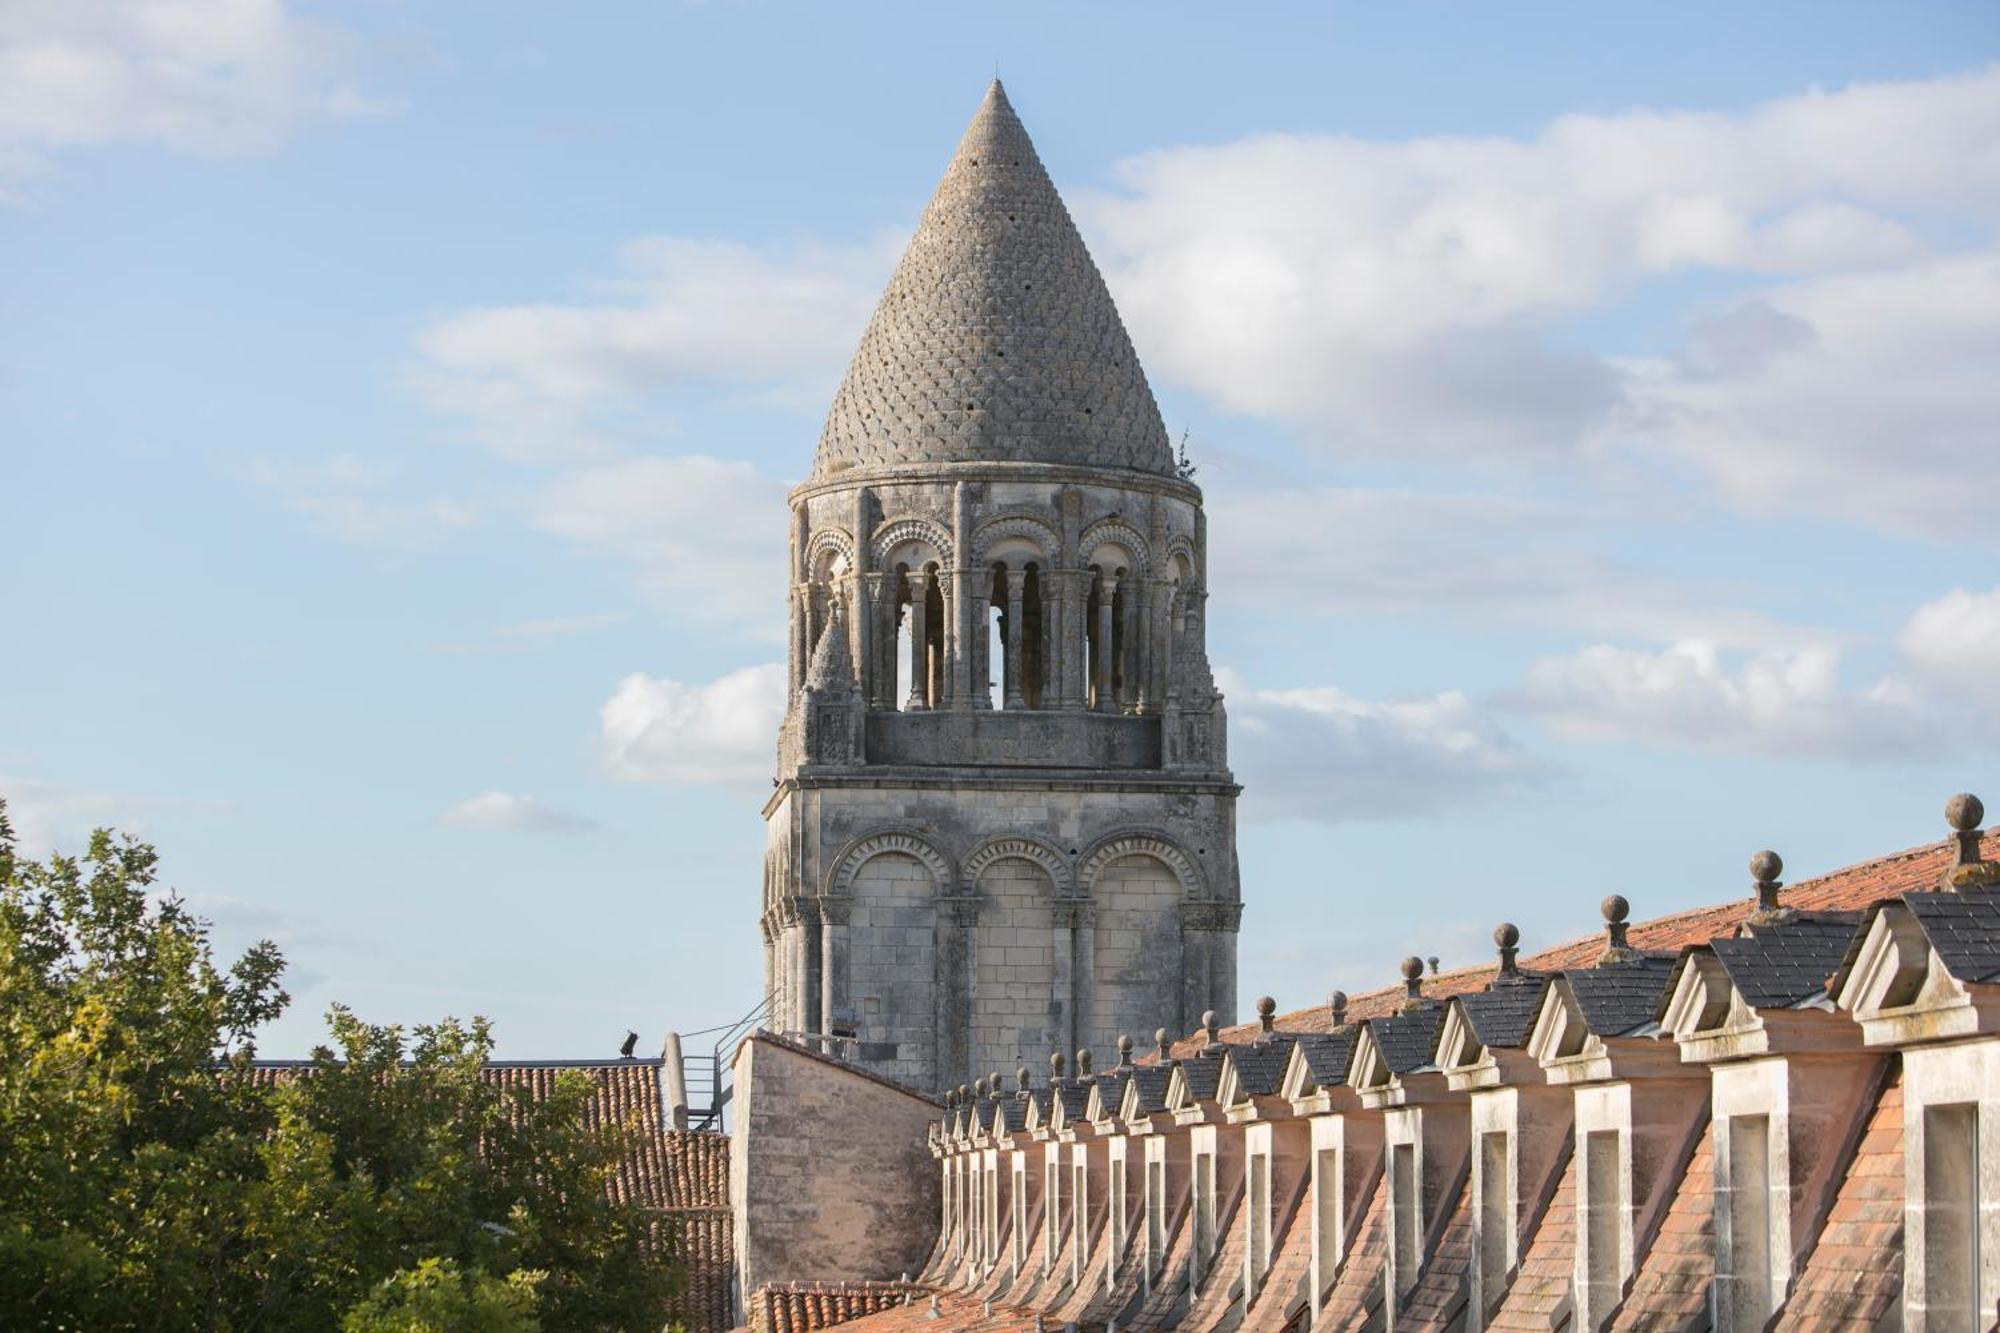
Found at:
(1034, 639)
(996, 654)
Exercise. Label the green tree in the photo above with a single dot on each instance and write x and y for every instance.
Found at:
(152, 1177)
(438, 1297)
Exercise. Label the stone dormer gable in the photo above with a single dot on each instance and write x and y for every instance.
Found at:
(1040, 1106)
(1013, 1117)
(1316, 1067)
(1253, 1073)
(1191, 1093)
(1482, 1040)
(1107, 1097)
(1763, 991)
(1589, 1015)
(1925, 967)
(1069, 1101)
(1391, 1049)
(997, 340)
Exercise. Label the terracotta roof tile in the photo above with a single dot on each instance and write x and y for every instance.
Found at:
(1540, 1295)
(1849, 889)
(1440, 1294)
(1853, 1278)
(1671, 1286)
(1356, 1295)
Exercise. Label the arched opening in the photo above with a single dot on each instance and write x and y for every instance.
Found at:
(900, 655)
(1034, 639)
(996, 634)
(1105, 641)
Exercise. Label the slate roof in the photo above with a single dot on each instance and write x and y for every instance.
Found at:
(1202, 1073)
(1776, 967)
(1621, 997)
(1151, 1082)
(1328, 1055)
(1111, 1087)
(1850, 889)
(1014, 1114)
(1260, 1069)
(1074, 1095)
(1504, 1015)
(1964, 928)
(996, 339)
(1407, 1038)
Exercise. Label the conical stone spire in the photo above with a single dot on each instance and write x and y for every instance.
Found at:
(831, 671)
(996, 339)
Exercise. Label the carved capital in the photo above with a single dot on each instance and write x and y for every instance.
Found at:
(835, 911)
(1070, 913)
(963, 908)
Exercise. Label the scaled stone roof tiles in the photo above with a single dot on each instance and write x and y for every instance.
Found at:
(996, 339)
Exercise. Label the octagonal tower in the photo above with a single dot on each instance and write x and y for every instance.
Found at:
(1004, 819)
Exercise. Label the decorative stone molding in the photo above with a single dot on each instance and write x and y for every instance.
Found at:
(923, 531)
(1183, 546)
(1193, 879)
(1072, 913)
(1030, 528)
(840, 880)
(835, 911)
(1023, 849)
(1212, 916)
(963, 907)
(1119, 531)
(837, 540)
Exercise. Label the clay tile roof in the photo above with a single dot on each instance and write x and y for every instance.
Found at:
(1850, 889)
(1504, 1015)
(1622, 997)
(1407, 1038)
(1261, 1068)
(1327, 1055)
(997, 339)
(1783, 965)
(1964, 928)
(1671, 1288)
(1151, 1083)
(1854, 1276)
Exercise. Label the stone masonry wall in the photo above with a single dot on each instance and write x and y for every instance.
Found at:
(831, 1176)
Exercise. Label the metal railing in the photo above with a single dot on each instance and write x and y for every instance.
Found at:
(705, 1077)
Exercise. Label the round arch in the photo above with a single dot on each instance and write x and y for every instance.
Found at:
(828, 541)
(1012, 528)
(1116, 532)
(1117, 846)
(922, 532)
(1022, 849)
(886, 842)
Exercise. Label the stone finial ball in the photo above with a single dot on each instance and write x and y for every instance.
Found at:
(1413, 968)
(1766, 866)
(1124, 1045)
(1266, 1006)
(1021, 1075)
(1056, 1061)
(1506, 934)
(1160, 1037)
(963, 1092)
(1615, 908)
(1337, 1000)
(993, 1081)
(1208, 1018)
(1965, 812)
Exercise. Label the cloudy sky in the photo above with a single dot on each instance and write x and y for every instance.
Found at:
(1597, 414)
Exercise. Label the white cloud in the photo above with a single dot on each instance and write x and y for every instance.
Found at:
(1324, 755)
(1940, 697)
(722, 733)
(1417, 297)
(209, 76)
(701, 533)
(353, 500)
(50, 817)
(511, 812)
(542, 383)
(1504, 560)
(1870, 396)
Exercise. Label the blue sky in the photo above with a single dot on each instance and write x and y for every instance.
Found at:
(397, 400)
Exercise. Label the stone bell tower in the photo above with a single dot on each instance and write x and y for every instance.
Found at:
(1004, 820)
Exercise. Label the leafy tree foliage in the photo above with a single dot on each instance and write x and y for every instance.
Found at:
(439, 1297)
(151, 1177)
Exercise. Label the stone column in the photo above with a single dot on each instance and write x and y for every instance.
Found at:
(920, 658)
(1107, 589)
(874, 591)
(962, 639)
(1017, 628)
(833, 968)
(1076, 945)
(957, 915)
(979, 591)
(1074, 655)
(1133, 646)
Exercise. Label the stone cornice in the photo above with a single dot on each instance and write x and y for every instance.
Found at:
(946, 473)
